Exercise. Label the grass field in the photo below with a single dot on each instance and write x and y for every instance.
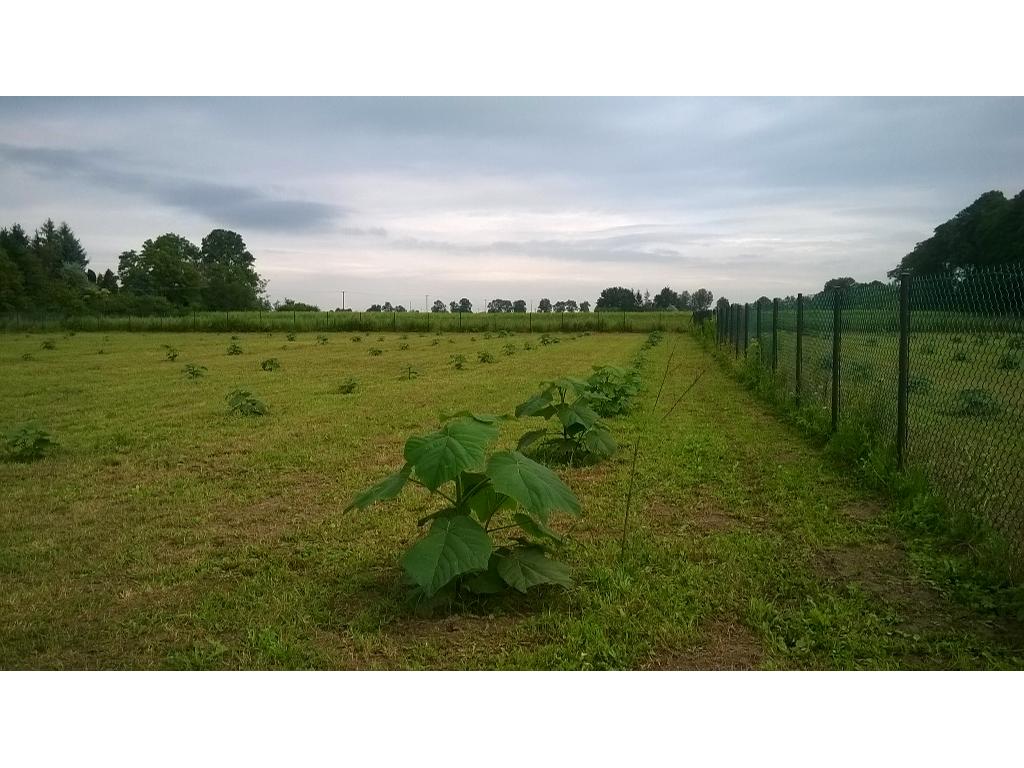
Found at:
(164, 532)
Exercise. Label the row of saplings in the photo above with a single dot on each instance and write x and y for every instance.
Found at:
(512, 493)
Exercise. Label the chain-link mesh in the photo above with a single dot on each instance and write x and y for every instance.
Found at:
(964, 387)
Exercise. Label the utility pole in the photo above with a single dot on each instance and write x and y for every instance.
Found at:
(426, 302)
(342, 301)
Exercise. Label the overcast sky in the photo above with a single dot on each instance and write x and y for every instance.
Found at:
(393, 199)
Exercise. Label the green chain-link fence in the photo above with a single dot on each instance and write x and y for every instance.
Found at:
(954, 408)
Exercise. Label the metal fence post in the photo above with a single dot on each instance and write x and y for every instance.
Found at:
(775, 335)
(903, 388)
(736, 327)
(746, 327)
(760, 347)
(837, 335)
(799, 344)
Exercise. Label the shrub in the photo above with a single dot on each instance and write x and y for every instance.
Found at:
(458, 362)
(919, 384)
(49, 344)
(242, 402)
(527, 346)
(348, 386)
(978, 403)
(270, 364)
(194, 371)
(172, 353)
(509, 349)
(1008, 362)
(234, 349)
(26, 442)
(611, 389)
(485, 357)
(581, 435)
(547, 339)
(374, 352)
(478, 498)
(321, 339)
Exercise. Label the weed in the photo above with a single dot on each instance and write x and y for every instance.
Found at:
(403, 347)
(547, 339)
(485, 357)
(409, 373)
(434, 342)
(979, 403)
(375, 352)
(348, 386)
(30, 356)
(49, 344)
(290, 336)
(356, 339)
(234, 349)
(242, 402)
(172, 353)
(1008, 362)
(458, 362)
(321, 339)
(527, 346)
(193, 371)
(26, 442)
(582, 436)
(505, 492)
(270, 364)
(509, 349)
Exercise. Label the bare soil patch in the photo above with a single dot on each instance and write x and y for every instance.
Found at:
(725, 645)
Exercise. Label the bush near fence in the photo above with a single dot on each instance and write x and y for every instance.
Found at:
(941, 393)
(408, 322)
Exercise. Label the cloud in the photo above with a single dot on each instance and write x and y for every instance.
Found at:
(228, 204)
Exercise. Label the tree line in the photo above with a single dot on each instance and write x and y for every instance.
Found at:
(49, 271)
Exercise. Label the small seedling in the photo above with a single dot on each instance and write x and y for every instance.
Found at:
(194, 371)
(290, 336)
(242, 402)
(527, 346)
(434, 342)
(979, 403)
(547, 339)
(509, 349)
(321, 339)
(26, 442)
(348, 386)
(356, 339)
(270, 364)
(30, 356)
(458, 362)
(374, 352)
(172, 353)
(485, 357)
(49, 344)
(234, 349)
(409, 373)
(1008, 362)
(403, 347)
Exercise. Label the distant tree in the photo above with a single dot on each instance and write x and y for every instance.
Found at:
(290, 305)
(167, 266)
(620, 299)
(399, 308)
(499, 305)
(584, 306)
(666, 298)
(701, 300)
(518, 305)
(374, 308)
(91, 276)
(12, 289)
(840, 282)
(465, 305)
(544, 305)
(569, 305)
(230, 280)
(387, 307)
(71, 251)
(764, 300)
(453, 306)
(439, 307)
(683, 301)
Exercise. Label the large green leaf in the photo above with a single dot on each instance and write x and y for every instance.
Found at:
(455, 544)
(600, 442)
(533, 485)
(530, 438)
(535, 528)
(457, 446)
(481, 496)
(538, 405)
(577, 413)
(387, 488)
(525, 567)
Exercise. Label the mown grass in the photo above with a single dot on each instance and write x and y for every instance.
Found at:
(164, 532)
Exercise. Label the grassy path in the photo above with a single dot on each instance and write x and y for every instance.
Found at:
(165, 533)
